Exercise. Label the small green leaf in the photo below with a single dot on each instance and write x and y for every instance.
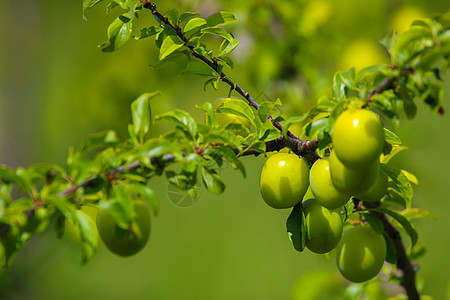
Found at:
(391, 137)
(220, 19)
(88, 236)
(141, 113)
(118, 34)
(148, 32)
(211, 116)
(338, 87)
(401, 183)
(199, 68)
(147, 193)
(349, 78)
(170, 44)
(228, 46)
(88, 4)
(396, 149)
(212, 181)
(296, 228)
(194, 23)
(124, 200)
(219, 32)
(256, 146)
(181, 118)
(409, 228)
(417, 213)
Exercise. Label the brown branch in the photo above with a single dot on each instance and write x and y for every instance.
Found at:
(223, 77)
(409, 274)
(385, 85)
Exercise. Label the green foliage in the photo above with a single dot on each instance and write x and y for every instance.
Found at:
(110, 173)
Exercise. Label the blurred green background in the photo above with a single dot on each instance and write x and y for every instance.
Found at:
(56, 87)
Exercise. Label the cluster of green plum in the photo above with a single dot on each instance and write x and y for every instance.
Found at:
(351, 171)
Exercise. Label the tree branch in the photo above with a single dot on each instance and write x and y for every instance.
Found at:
(224, 78)
(409, 274)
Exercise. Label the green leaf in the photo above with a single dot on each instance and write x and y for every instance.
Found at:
(232, 157)
(296, 228)
(409, 228)
(349, 78)
(62, 205)
(256, 146)
(401, 183)
(147, 193)
(141, 113)
(124, 200)
(199, 68)
(227, 46)
(170, 44)
(417, 213)
(98, 141)
(173, 16)
(265, 109)
(156, 148)
(194, 23)
(118, 34)
(8, 175)
(338, 87)
(396, 149)
(391, 137)
(181, 118)
(88, 236)
(391, 252)
(219, 32)
(410, 108)
(220, 19)
(110, 7)
(315, 126)
(374, 222)
(404, 39)
(236, 107)
(187, 16)
(148, 32)
(211, 116)
(212, 181)
(88, 4)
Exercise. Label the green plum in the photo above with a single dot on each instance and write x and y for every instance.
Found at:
(323, 227)
(358, 138)
(125, 242)
(322, 187)
(284, 180)
(352, 181)
(377, 190)
(360, 254)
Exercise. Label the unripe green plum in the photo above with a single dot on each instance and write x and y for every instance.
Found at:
(322, 187)
(323, 227)
(125, 242)
(360, 254)
(377, 190)
(284, 180)
(358, 138)
(352, 181)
